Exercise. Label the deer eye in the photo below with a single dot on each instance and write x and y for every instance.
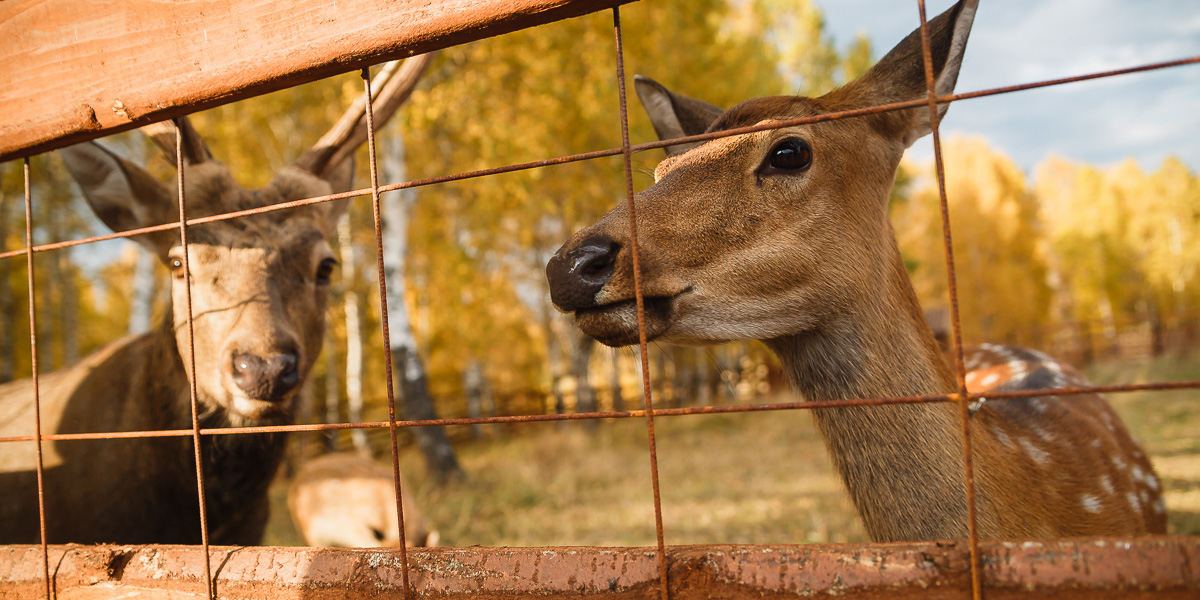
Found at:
(788, 156)
(325, 270)
(176, 265)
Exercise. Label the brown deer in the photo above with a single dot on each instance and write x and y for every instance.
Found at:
(783, 236)
(349, 500)
(259, 288)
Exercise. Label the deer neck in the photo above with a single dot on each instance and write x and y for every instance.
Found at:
(902, 464)
(160, 374)
(238, 469)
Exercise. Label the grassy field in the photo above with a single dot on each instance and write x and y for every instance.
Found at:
(742, 478)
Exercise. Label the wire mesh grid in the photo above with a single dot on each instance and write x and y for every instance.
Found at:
(962, 396)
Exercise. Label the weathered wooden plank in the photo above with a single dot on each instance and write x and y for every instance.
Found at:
(72, 70)
(1150, 567)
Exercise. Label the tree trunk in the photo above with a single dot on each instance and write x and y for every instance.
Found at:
(68, 307)
(354, 345)
(1157, 347)
(406, 361)
(332, 392)
(554, 360)
(7, 305)
(697, 373)
(614, 380)
(475, 388)
(47, 296)
(681, 376)
(660, 380)
(581, 360)
(298, 442)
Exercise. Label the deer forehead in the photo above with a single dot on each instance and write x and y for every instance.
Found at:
(211, 189)
(258, 248)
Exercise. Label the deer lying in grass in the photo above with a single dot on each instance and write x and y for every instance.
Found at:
(348, 500)
(259, 287)
(783, 236)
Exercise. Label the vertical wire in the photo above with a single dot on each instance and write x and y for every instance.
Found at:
(641, 310)
(387, 339)
(37, 400)
(952, 286)
(210, 585)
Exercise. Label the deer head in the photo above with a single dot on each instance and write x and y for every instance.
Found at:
(766, 234)
(259, 284)
(782, 235)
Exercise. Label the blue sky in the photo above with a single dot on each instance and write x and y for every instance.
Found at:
(1145, 116)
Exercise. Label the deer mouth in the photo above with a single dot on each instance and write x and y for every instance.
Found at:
(616, 324)
(252, 410)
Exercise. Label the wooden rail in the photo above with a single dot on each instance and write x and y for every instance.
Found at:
(1150, 567)
(73, 70)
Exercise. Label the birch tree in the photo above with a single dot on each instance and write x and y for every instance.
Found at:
(406, 361)
(7, 306)
(479, 397)
(354, 342)
(333, 391)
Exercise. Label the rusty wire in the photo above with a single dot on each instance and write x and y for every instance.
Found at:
(383, 310)
(37, 397)
(639, 299)
(635, 149)
(962, 396)
(960, 369)
(210, 585)
(627, 414)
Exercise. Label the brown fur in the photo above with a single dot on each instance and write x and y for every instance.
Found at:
(348, 500)
(254, 290)
(807, 261)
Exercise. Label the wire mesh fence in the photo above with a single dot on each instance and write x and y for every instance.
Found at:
(664, 561)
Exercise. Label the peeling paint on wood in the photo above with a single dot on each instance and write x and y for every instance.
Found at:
(133, 62)
(1149, 567)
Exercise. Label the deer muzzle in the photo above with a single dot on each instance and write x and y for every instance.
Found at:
(268, 379)
(578, 273)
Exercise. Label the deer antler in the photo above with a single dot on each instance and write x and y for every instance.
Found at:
(195, 151)
(392, 86)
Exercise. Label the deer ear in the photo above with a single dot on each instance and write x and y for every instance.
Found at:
(123, 195)
(674, 115)
(900, 75)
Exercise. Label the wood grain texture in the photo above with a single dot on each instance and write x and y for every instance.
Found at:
(1156, 567)
(72, 70)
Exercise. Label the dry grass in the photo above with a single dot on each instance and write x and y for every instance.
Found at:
(742, 478)
(757, 478)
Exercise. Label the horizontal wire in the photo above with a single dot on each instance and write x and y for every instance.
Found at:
(640, 413)
(636, 148)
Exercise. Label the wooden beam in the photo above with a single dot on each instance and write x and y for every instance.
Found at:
(1157, 567)
(73, 70)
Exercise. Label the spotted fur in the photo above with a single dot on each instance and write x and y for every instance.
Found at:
(1074, 451)
(739, 239)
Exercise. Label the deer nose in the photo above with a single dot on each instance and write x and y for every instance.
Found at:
(269, 378)
(576, 275)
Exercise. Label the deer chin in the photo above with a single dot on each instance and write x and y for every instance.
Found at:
(616, 324)
(246, 411)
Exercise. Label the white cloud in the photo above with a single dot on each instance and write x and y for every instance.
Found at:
(1147, 116)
